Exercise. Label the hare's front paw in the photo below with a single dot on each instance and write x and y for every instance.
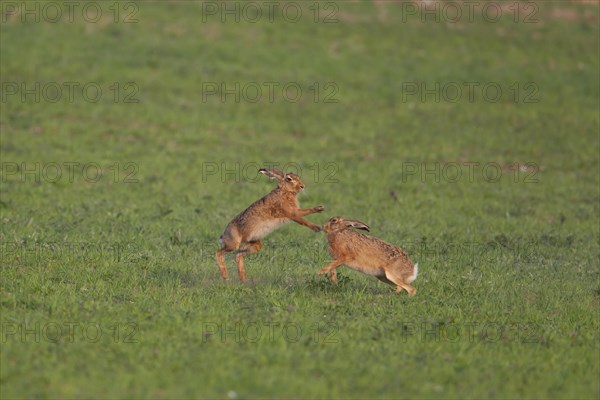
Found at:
(323, 271)
(319, 208)
(316, 228)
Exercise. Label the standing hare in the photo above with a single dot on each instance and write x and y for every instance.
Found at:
(367, 254)
(245, 231)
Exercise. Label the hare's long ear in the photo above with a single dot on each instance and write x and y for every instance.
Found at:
(272, 173)
(357, 225)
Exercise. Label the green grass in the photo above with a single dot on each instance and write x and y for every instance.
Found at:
(508, 290)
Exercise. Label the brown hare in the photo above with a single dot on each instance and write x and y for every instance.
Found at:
(245, 231)
(367, 254)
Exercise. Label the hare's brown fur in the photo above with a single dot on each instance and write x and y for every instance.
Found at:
(367, 254)
(244, 233)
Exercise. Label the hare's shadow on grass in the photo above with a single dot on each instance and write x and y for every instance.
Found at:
(344, 285)
(316, 285)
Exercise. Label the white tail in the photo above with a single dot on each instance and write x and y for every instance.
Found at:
(414, 275)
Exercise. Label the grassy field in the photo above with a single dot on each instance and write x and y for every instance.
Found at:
(131, 134)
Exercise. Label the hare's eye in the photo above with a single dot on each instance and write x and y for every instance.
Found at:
(287, 178)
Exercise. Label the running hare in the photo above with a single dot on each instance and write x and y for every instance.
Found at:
(245, 231)
(367, 254)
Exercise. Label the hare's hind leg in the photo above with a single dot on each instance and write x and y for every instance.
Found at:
(400, 284)
(246, 248)
(229, 244)
(220, 257)
(383, 279)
